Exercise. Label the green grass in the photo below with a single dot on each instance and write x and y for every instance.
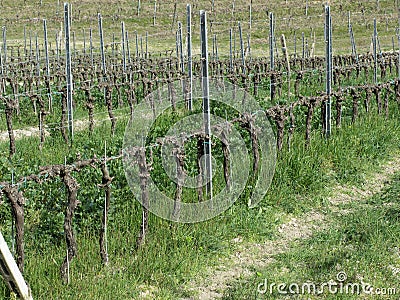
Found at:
(175, 253)
(364, 243)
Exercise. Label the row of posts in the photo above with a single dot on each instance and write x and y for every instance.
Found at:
(126, 52)
(204, 55)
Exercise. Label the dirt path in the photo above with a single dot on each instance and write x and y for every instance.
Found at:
(79, 125)
(249, 255)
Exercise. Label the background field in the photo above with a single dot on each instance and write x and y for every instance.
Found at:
(290, 17)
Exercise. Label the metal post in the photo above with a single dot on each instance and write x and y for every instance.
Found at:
(353, 43)
(378, 43)
(398, 64)
(25, 51)
(182, 64)
(127, 46)
(348, 20)
(177, 45)
(60, 39)
(328, 43)
(230, 51)
(213, 48)
(271, 53)
(234, 43)
(141, 47)
(103, 57)
(47, 61)
(37, 55)
(350, 34)
(5, 48)
(137, 44)
(68, 70)
(123, 45)
(147, 44)
(73, 43)
(84, 41)
(216, 47)
(241, 46)
(46, 48)
(105, 216)
(248, 46)
(189, 54)
(206, 103)
(70, 15)
(250, 11)
(174, 17)
(57, 48)
(286, 57)
(306, 7)
(91, 46)
(374, 39)
(30, 45)
(113, 46)
(2, 66)
(155, 12)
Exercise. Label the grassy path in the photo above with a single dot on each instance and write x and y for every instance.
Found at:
(250, 256)
(79, 125)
